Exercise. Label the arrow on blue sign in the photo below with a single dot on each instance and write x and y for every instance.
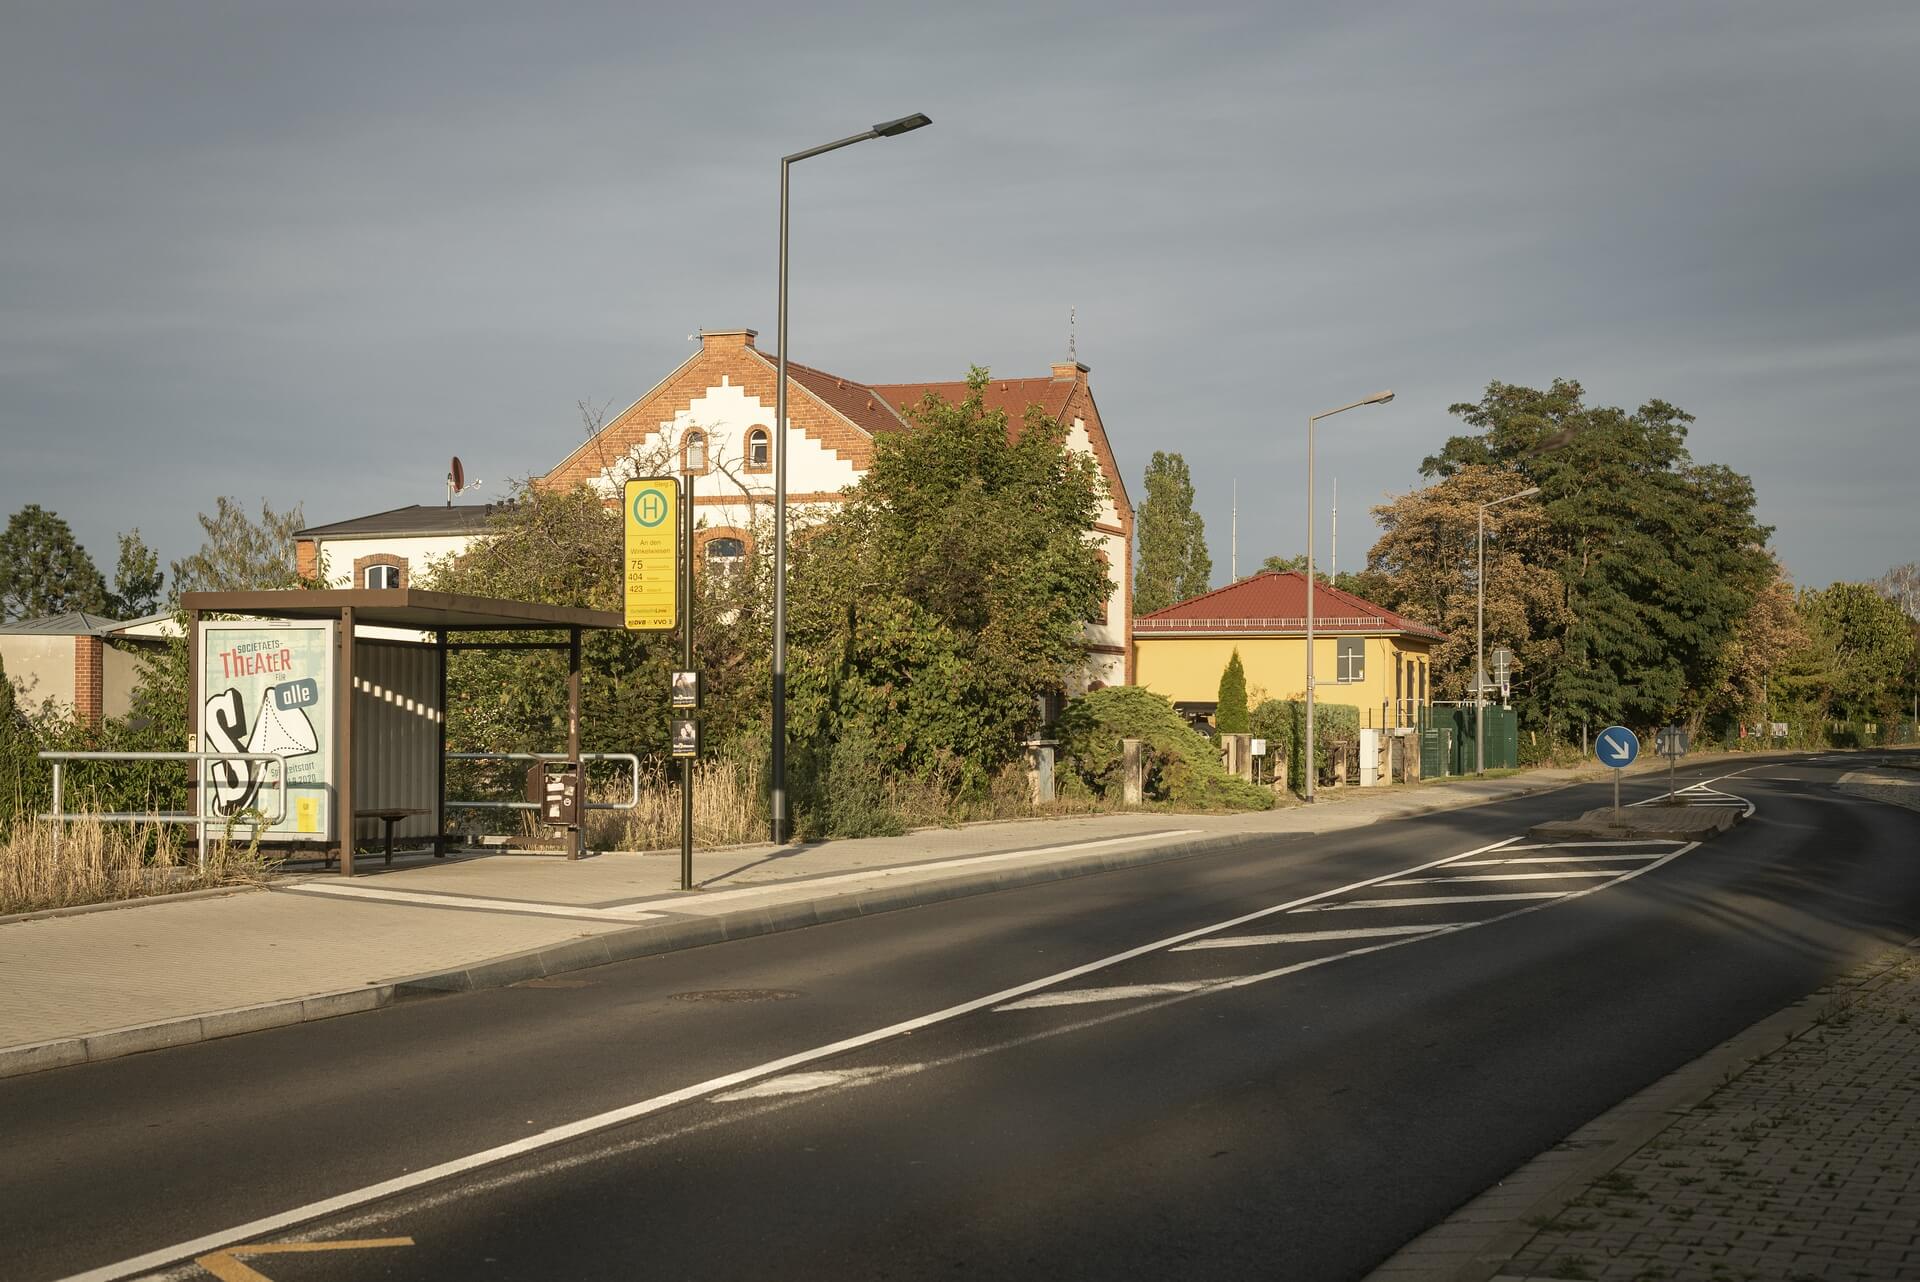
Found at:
(1617, 746)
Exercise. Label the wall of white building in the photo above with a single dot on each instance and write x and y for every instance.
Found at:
(419, 550)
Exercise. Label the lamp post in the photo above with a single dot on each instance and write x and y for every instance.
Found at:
(777, 793)
(1480, 633)
(1378, 398)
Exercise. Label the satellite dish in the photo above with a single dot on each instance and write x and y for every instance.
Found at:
(459, 475)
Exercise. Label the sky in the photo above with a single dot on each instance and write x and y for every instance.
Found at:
(304, 253)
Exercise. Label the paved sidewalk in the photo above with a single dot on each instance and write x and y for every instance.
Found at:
(172, 970)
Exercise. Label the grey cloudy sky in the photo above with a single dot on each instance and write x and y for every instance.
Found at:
(305, 252)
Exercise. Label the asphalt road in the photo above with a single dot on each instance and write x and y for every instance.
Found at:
(953, 1100)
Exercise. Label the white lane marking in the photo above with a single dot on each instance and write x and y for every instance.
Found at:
(1117, 993)
(1311, 936)
(1247, 980)
(569, 1131)
(1426, 900)
(421, 899)
(1561, 859)
(823, 1079)
(1581, 845)
(1506, 876)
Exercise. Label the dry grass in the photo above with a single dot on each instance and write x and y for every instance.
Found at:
(726, 810)
(93, 862)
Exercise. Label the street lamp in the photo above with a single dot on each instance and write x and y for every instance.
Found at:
(777, 797)
(1480, 634)
(1378, 398)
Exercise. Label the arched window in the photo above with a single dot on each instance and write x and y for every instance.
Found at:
(759, 450)
(382, 576)
(726, 553)
(693, 451)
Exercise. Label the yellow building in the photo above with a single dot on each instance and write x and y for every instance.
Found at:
(1363, 654)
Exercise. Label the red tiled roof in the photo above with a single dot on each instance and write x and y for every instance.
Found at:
(1010, 394)
(859, 404)
(1276, 601)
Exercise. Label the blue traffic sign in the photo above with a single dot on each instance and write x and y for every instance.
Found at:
(1617, 746)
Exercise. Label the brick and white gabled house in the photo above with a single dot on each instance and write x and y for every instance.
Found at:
(714, 417)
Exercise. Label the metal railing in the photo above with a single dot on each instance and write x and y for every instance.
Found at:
(632, 801)
(199, 819)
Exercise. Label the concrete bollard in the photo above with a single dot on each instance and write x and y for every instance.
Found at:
(1134, 786)
(1040, 769)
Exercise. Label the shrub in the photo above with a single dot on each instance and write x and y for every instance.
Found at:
(1230, 715)
(1181, 765)
(1283, 723)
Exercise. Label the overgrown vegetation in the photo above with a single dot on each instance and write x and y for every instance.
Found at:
(90, 862)
(1283, 724)
(1180, 765)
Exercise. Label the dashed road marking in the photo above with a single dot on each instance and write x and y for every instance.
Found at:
(1424, 901)
(824, 1079)
(1506, 876)
(1117, 993)
(1559, 859)
(1312, 936)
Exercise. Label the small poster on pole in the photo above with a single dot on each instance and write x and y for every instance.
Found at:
(686, 690)
(686, 737)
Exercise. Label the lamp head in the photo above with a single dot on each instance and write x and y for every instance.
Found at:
(906, 124)
(1528, 493)
(1378, 398)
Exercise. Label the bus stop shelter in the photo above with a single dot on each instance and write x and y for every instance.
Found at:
(349, 687)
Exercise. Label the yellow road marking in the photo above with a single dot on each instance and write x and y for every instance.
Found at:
(226, 1266)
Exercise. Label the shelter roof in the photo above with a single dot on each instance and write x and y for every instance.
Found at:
(1275, 602)
(404, 608)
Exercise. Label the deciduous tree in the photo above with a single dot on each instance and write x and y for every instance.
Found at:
(241, 554)
(136, 579)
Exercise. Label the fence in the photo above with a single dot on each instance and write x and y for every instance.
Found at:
(198, 818)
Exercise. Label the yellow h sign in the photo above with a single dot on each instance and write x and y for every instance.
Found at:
(652, 563)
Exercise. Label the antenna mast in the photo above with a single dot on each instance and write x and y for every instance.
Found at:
(1073, 323)
(1233, 555)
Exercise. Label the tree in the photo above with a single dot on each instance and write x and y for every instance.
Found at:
(1425, 564)
(1871, 644)
(44, 570)
(946, 595)
(241, 554)
(1230, 714)
(1660, 556)
(1174, 564)
(136, 579)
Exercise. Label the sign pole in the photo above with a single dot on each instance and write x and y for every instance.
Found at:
(686, 661)
(1616, 792)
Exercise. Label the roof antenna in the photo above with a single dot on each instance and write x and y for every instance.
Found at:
(1073, 318)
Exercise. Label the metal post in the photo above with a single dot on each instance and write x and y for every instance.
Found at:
(343, 754)
(1616, 792)
(777, 785)
(1310, 763)
(1480, 648)
(686, 661)
(196, 788)
(440, 762)
(59, 819)
(573, 741)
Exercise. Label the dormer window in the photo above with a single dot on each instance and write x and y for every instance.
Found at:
(759, 450)
(693, 452)
(380, 578)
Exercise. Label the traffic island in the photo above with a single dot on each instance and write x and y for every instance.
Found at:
(1643, 823)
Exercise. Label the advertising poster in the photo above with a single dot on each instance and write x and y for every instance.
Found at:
(268, 687)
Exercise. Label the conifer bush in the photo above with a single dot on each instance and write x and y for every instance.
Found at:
(1182, 766)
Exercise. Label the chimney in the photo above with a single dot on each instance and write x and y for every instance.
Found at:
(713, 339)
(1069, 372)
